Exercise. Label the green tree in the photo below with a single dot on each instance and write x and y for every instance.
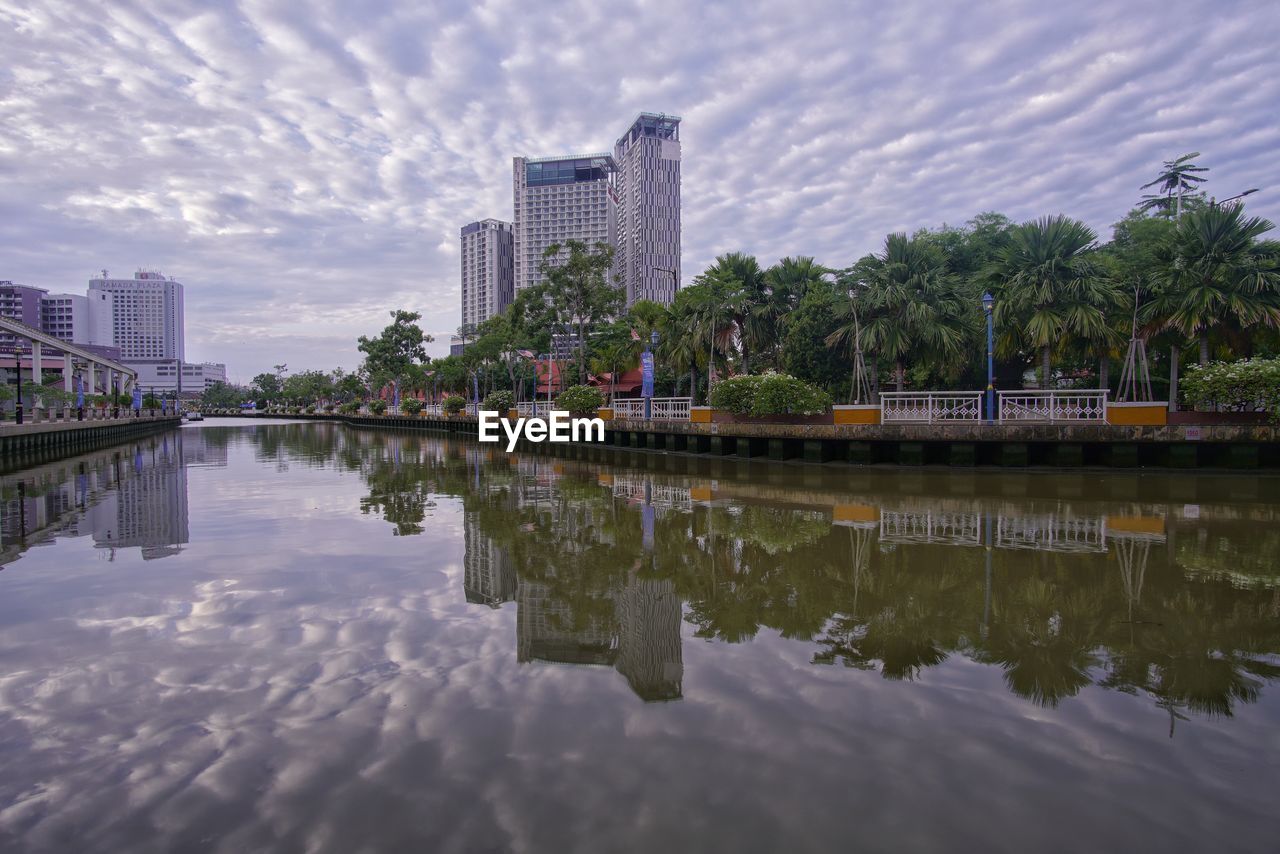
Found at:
(266, 387)
(1171, 185)
(908, 308)
(1049, 289)
(223, 396)
(579, 286)
(397, 353)
(1215, 277)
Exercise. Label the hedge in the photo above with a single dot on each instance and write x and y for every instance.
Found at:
(581, 399)
(769, 394)
(499, 401)
(1249, 385)
(454, 403)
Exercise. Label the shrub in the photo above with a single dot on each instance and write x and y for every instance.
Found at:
(769, 394)
(580, 399)
(411, 405)
(311, 408)
(735, 394)
(328, 407)
(150, 402)
(377, 407)
(349, 408)
(1248, 385)
(453, 404)
(499, 402)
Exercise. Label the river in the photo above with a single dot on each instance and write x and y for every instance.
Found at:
(244, 636)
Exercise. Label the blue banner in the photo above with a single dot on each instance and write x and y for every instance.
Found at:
(646, 365)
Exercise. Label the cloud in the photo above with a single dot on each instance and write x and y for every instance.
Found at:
(305, 168)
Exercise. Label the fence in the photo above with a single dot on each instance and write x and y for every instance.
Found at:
(1051, 407)
(661, 409)
(911, 407)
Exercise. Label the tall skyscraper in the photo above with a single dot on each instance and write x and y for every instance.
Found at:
(488, 272)
(147, 315)
(648, 185)
(559, 199)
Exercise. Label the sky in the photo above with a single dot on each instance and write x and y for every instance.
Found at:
(304, 168)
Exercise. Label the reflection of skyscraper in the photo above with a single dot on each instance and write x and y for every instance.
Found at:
(546, 631)
(488, 575)
(649, 651)
(640, 636)
(150, 500)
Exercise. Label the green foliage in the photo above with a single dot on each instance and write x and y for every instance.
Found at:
(411, 405)
(223, 396)
(267, 387)
(580, 291)
(311, 408)
(1247, 385)
(396, 352)
(580, 399)
(804, 352)
(453, 404)
(349, 408)
(150, 402)
(769, 394)
(377, 406)
(499, 401)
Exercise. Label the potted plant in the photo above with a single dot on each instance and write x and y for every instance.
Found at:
(411, 405)
(378, 406)
(453, 404)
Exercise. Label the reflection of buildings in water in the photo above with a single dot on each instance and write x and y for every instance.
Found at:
(121, 497)
(488, 575)
(637, 630)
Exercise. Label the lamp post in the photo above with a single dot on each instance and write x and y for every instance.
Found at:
(17, 381)
(646, 374)
(1213, 203)
(988, 303)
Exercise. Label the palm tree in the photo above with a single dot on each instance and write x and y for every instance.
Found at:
(905, 305)
(742, 283)
(1048, 290)
(1215, 276)
(681, 348)
(1178, 177)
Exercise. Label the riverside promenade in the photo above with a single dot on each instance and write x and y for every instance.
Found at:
(1067, 445)
(19, 443)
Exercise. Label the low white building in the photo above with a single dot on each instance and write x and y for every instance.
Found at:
(161, 375)
(79, 319)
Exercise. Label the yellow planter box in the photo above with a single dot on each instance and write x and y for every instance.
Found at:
(1139, 414)
(604, 414)
(855, 514)
(1137, 525)
(861, 413)
(700, 414)
(513, 414)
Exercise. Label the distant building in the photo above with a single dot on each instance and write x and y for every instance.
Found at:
(557, 199)
(80, 319)
(161, 375)
(456, 345)
(147, 315)
(21, 303)
(488, 272)
(648, 186)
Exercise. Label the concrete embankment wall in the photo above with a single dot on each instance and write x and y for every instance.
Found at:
(20, 445)
(1251, 446)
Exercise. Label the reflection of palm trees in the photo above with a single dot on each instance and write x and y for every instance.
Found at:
(1054, 621)
(1045, 638)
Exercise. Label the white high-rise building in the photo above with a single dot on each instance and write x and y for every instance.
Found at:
(648, 185)
(558, 199)
(80, 319)
(147, 315)
(488, 272)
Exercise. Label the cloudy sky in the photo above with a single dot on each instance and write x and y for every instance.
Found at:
(304, 167)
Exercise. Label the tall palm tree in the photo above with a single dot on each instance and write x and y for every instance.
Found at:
(742, 282)
(906, 307)
(1178, 177)
(1049, 290)
(1215, 276)
(681, 348)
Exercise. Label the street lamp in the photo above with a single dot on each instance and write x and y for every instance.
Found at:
(1213, 203)
(646, 376)
(988, 304)
(675, 282)
(17, 381)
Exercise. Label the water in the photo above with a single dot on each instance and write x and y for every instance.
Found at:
(250, 637)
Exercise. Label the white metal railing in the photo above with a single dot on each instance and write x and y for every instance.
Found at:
(630, 407)
(930, 407)
(661, 409)
(527, 408)
(1088, 405)
(472, 408)
(432, 409)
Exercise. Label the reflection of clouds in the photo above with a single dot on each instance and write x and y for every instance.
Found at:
(301, 685)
